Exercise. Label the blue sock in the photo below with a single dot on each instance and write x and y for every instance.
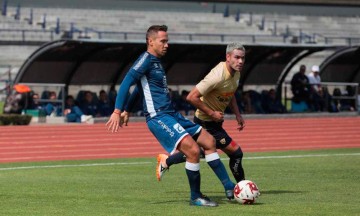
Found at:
(176, 158)
(193, 174)
(218, 167)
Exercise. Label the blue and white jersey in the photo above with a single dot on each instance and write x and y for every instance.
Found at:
(149, 76)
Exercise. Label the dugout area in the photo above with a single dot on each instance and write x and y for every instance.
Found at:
(86, 62)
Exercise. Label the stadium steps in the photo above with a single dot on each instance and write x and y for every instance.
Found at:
(181, 22)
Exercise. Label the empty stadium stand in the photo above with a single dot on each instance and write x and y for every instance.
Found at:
(204, 24)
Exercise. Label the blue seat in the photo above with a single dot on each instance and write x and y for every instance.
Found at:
(299, 106)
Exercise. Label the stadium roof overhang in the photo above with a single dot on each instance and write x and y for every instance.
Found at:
(74, 62)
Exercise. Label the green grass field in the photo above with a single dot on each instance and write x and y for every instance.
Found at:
(1, 107)
(322, 182)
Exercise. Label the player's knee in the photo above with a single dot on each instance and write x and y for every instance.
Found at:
(193, 154)
(206, 141)
(193, 151)
(190, 148)
(237, 154)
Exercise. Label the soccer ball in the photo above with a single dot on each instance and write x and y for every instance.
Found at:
(246, 192)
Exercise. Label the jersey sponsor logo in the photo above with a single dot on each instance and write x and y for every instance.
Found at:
(164, 82)
(166, 128)
(178, 128)
(227, 94)
(225, 97)
(224, 100)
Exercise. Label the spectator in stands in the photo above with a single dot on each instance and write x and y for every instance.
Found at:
(14, 103)
(271, 103)
(104, 108)
(250, 102)
(88, 105)
(336, 94)
(348, 104)
(35, 103)
(18, 100)
(317, 102)
(183, 106)
(345, 104)
(53, 108)
(256, 101)
(329, 104)
(246, 104)
(73, 113)
(314, 78)
(112, 95)
(300, 86)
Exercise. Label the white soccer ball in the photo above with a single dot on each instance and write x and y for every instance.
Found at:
(246, 192)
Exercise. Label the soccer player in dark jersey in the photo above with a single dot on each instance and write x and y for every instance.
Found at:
(172, 130)
(211, 96)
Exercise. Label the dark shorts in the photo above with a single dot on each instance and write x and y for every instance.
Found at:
(217, 131)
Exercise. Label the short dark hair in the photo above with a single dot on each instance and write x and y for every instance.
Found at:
(155, 29)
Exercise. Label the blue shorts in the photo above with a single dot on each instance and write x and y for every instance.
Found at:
(170, 128)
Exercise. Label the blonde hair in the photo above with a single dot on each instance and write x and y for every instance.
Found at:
(233, 46)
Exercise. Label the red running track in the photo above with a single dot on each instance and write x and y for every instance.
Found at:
(82, 141)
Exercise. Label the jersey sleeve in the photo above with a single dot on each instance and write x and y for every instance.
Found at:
(131, 101)
(209, 82)
(138, 70)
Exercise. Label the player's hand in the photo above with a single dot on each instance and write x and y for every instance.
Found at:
(124, 118)
(114, 122)
(217, 116)
(241, 123)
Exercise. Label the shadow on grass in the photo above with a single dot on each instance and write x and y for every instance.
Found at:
(221, 199)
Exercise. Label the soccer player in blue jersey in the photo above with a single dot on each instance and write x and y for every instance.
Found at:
(211, 96)
(172, 130)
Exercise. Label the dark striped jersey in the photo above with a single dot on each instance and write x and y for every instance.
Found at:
(150, 78)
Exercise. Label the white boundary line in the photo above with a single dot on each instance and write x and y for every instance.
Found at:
(302, 156)
(73, 165)
(142, 163)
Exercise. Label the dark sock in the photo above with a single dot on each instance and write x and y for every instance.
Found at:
(236, 165)
(219, 169)
(176, 158)
(194, 182)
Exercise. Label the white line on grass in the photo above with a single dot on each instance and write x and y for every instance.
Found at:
(142, 163)
(299, 156)
(74, 165)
